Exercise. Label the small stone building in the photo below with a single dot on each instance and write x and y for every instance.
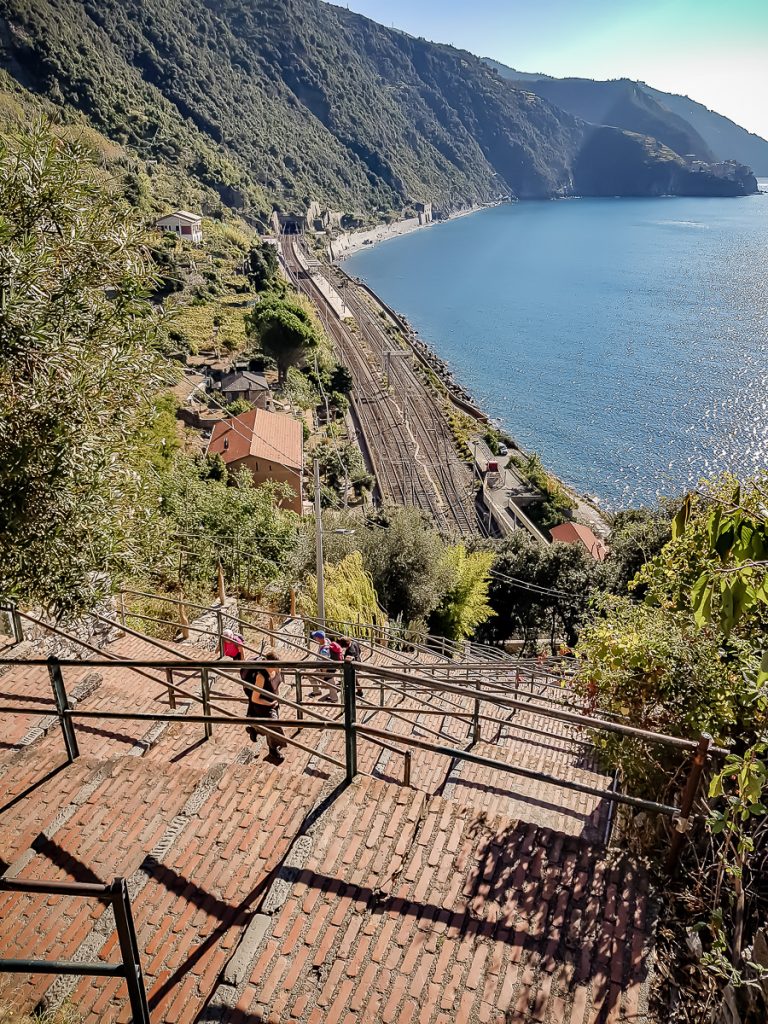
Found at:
(252, 387)
(183, 223)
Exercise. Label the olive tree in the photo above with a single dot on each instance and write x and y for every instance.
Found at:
(78, 343)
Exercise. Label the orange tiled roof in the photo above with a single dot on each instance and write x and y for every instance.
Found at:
(575, 533)
(264, 435)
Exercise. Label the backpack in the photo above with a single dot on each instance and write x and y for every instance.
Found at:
(336, 651)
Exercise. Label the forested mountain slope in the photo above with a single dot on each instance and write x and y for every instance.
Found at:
(289, 101)
(677, 121)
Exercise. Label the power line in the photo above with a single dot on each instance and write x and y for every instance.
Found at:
(527, 585)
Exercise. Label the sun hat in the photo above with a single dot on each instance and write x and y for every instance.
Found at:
(318, 635)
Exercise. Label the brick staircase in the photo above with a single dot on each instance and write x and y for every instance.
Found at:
(264, 893)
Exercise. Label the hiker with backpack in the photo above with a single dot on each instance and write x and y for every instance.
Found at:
(261, 705)
(352, 652)
(330, 650)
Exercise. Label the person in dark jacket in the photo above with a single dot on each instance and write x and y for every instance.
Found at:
(352, 652)
(261, 705)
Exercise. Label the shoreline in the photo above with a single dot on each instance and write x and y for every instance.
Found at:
(351, 242)
(586, 509)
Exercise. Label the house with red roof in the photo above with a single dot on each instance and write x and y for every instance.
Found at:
(575, 533)
(268, 444)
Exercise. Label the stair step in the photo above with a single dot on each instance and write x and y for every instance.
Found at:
(409, 906)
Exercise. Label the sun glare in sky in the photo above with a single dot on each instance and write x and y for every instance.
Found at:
(710, 50)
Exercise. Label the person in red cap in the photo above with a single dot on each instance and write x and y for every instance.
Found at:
(331, 651)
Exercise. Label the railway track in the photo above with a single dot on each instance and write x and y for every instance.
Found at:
(452, 478)
(406, 433)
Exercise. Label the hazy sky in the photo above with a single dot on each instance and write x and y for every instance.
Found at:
(715, 51)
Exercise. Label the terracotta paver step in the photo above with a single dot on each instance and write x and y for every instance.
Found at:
(410, 907)
(32, 792)
(106, 830)
(29, 686)
(193, 906)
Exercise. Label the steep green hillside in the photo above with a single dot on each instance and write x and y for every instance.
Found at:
(290, 101)
(623, 104)
(677, 121)
(726, 139)
(622, 163)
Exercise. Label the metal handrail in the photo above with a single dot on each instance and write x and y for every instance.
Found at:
(279, 697)
(354, 729)
(584, 721)
(129, 968)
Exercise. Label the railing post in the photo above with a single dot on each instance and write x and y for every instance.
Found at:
(299, 698)
(205, 689)
(407, 768)
(171, 691)
(682, 822)
(129, 951)
(62, 705)
(220, 582)
(350, 716)
(16, 624)
(476, 722)
(220, 631)
(121, 608)
(183, 620)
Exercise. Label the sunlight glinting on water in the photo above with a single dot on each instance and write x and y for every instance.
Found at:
(626, 340)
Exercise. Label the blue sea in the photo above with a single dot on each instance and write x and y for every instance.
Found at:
(625, 340)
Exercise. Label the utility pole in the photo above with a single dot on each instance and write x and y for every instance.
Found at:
(319, 567)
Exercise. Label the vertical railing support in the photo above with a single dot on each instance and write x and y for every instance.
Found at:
(171, 690)
(220, 631)
(62, 706)
(183, 619)
(205, 689)
(407, 768)
(476, 722)
(16, 624)
(299, 696)
(220, 583)
(350, 718)
(682, 822)
(129, 951)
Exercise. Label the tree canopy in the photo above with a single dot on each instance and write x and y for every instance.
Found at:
(78, 360)
(465, 603)
(285, 330)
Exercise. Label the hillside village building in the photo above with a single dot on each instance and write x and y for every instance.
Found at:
(268, 444)
(575, 533)
(185, 224)
(252, 387)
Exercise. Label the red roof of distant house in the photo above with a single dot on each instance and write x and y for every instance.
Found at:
(575, 533)
(265, 435)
